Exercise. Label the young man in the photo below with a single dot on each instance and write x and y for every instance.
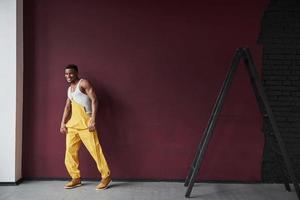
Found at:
(79, 125)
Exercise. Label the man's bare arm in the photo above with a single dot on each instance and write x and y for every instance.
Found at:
(66, 115)
(89, 90)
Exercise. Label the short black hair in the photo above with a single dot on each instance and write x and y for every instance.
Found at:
(72, 66)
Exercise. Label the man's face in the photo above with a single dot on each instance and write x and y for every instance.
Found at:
(71, 75)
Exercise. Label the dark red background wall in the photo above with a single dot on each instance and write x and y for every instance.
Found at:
(157, 67)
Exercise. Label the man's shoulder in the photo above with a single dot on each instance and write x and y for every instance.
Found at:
(85, 83)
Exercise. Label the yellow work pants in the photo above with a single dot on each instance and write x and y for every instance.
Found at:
(90, 140)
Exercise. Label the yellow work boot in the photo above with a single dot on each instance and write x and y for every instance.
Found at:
(104, 183)
(75, 182)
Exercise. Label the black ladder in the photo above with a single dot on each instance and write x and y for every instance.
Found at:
(266, 111)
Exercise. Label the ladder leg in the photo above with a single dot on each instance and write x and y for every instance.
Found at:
(194, 169)
(191, 170)
(199, 159)
(252, 70)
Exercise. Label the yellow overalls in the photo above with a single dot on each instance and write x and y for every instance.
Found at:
(78, 131)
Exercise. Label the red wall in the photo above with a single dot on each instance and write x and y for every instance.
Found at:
(157, 67)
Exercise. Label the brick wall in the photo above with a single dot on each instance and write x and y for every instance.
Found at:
(280, 37)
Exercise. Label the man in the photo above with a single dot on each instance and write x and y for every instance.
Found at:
(79, 125)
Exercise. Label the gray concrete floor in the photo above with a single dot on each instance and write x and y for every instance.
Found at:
(48, 190)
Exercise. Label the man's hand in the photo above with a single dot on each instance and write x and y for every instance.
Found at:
(92, 125)
(63, 129)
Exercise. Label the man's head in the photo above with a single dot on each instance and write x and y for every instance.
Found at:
(71, 73)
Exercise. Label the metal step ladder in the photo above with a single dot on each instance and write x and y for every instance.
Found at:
(266, 111)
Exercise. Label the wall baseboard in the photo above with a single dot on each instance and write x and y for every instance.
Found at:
(142, 180)
(137, 180)
(11, 183)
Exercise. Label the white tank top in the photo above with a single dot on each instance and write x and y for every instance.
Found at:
(80, 98)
